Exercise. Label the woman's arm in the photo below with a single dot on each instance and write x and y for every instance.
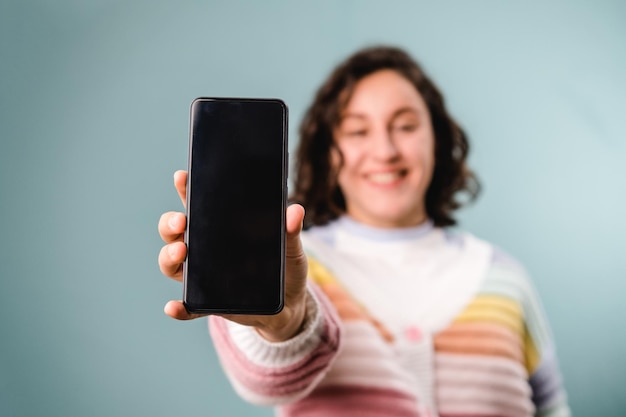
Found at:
(271, 373)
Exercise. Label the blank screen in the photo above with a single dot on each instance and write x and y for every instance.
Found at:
(236, 206)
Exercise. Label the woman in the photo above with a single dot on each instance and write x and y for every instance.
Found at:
(399, 316)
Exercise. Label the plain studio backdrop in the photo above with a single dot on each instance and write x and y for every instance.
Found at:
(94, 114)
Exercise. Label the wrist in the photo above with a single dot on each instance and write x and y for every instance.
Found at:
(289, 323)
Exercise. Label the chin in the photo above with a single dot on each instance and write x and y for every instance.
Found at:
(398, 219)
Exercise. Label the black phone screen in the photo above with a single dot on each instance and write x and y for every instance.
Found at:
(236, 199)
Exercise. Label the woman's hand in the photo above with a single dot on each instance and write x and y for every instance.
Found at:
(279, 327)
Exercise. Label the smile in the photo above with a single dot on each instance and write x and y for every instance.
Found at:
(386, 178)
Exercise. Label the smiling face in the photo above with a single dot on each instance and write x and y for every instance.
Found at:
(387, 147)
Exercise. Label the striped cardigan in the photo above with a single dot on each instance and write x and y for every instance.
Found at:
(462, 333)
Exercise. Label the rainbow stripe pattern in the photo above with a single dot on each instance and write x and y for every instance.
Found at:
(495, 358)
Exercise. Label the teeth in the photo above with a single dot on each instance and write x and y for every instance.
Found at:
(384, 178)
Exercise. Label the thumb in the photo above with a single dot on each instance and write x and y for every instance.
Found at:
(295, 259)
(295, 217)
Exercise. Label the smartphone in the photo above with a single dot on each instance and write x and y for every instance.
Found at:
(236, 201)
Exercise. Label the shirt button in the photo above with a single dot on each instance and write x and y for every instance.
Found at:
(413, 334)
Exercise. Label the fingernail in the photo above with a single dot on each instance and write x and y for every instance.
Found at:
(171, 251)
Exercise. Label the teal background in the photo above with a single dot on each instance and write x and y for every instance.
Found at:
(94, 101)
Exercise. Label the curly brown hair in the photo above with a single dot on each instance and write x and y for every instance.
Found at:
(316, 185)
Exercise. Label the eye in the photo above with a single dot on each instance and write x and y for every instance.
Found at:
(406, 127)
(356, 133)
(406, 121)
(353, 131)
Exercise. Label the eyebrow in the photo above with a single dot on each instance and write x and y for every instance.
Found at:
(353, 116)
(395, 114)
(406, 109)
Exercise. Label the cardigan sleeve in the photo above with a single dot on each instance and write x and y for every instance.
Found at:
(268, 373)
(545, 379)
(548, 393)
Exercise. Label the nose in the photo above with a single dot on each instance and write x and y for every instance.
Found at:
(384, 146)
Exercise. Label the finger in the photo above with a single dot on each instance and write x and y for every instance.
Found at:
(176, 310)
(180, 182)
(171, 258)
(296, 263)
(172, 226)
(295, 217)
